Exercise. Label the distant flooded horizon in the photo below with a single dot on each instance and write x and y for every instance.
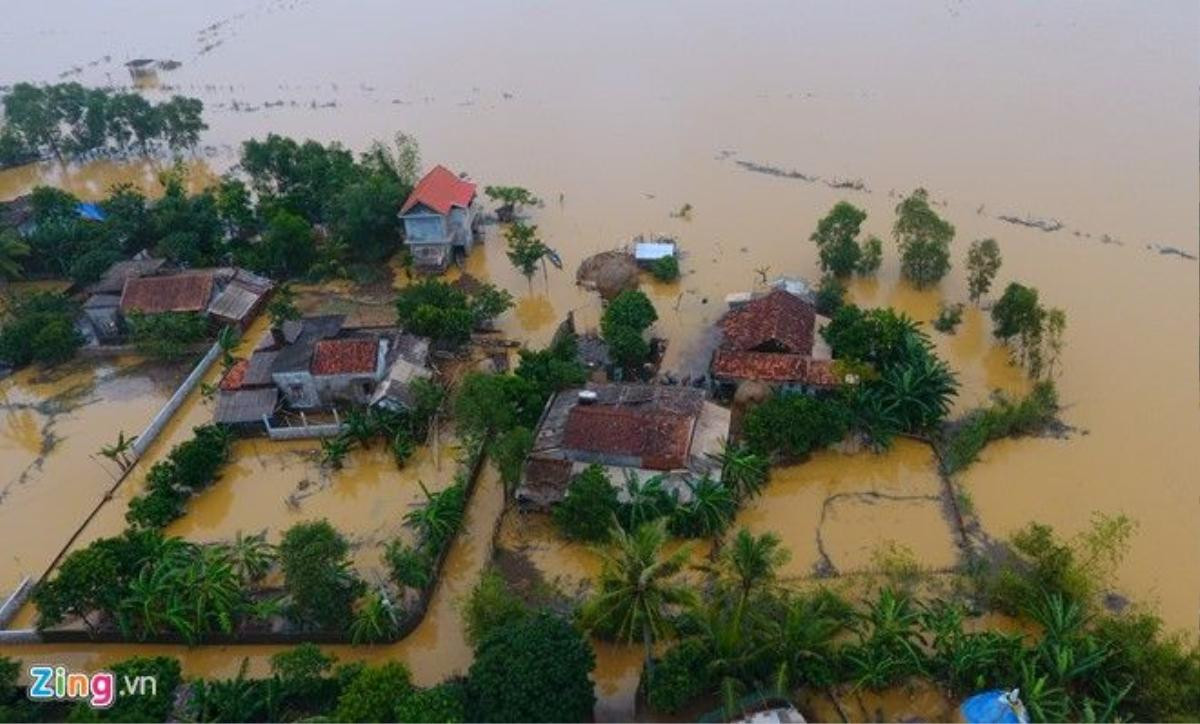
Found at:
(761, 116)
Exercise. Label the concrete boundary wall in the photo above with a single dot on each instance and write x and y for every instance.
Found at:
(15, 601)
(168, 410)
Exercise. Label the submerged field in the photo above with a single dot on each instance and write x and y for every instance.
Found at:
(755, 133)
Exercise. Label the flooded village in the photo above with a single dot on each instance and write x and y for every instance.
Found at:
(689, 365)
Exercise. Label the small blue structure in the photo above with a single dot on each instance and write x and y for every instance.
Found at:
(995, 706)
(91, 212)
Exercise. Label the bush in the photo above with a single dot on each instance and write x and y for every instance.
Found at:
(793, 425)
(1164, 669)
(631, 308)
(446, 702)
(409, 566)
(490, 606)
(831, 295)
(508, 452)
(146, 707)
(948, 318)
(586, 513)
(627, 346)
(374, 693)
(665, 269)
(435, 309)
(190, 467)
(535, 669)
(167, 335)
(40, 328)
(1003, 418)
(680, 678)
(317, 575)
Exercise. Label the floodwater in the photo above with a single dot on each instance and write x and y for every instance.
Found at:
(618, 114)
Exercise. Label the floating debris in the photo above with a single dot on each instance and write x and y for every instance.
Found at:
(776, 171)
(1171, 250)
(1032, 222)
(840, 183)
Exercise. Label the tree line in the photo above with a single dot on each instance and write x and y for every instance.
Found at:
(67, 120)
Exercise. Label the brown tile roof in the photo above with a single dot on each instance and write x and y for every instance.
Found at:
(235, 376)
(188, 292)
(660, 439)
(779, 320)
(353, 355)
(774, 367)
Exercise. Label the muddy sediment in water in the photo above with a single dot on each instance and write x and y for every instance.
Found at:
(1067, 117)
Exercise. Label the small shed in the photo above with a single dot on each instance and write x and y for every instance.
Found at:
(103, 315)
(246, 407)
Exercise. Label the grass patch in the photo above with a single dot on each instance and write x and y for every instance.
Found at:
(1005, 417)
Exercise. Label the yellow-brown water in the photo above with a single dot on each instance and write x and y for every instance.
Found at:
(618, 114)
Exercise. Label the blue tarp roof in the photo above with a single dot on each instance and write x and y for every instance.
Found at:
(91, 212)
(994, 706)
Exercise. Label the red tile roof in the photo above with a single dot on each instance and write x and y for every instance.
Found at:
(780, 320)
(774, 367)
(187, 292)
(440, 189)
(659, 439)
(345, 356)
(235, 376)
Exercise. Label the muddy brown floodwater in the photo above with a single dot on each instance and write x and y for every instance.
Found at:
(617, 114)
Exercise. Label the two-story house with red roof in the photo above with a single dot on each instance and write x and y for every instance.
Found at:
(439, 219)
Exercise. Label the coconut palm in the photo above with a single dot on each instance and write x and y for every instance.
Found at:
(12, 250)
(709, 511)
(638, 589)
(751, 563)
(227, 339)
(360, 426)
(118, 452)
(645, 500)
(252, 556)
(440, 516)
(742, 471)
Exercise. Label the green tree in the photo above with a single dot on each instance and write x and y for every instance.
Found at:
(282, 307)
(12, 250)
(366, 218)
(235, 208)
(1017, 311)
(513, 197)
(638, 587)
(317, 575)
(586, 512)
(983, 261)
(793, 425)
(288, 248)
(433, 308)
(872, 256)
(751, 563)
(534, 669)
(374, 620)
(372, 695)
(446, 702)
(924, 239)
(631, 308)
(742, 470)
(167, 335)
(40, 328)
(525, 249)
(837, 239)
(508, 452)
(493, 404)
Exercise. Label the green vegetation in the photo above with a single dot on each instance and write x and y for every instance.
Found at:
(948, 318)
(155, 706)
(189, 468)
(665, 269)
(168, 335)
(39, 327)
(513, 197)
(837, 242)
(532, 669)
(983, 261)
(831, 295)
(432, 308)
(12, 250)
(1034, 332)
(320, 584)
(525, 249)
(586, 513)
(793, 425)
(1005, 417)
(68, 120)
(625, 320)
(924, 240)
(490, 606)
(372, 695)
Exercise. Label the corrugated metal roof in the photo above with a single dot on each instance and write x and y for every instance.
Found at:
(242, 406)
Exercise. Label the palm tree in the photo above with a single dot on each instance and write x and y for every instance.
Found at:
(743, 471)
(118, 452)
(440, 516)
(637, 590)
(227, 338)
(334, 450)
(361, 427)
(252, 556)
(751, 563)
(12, 249)
(708, 513)
(646, 500)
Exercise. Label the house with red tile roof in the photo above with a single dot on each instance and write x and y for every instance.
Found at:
(645, 430)
(439, 219)
(773, 338)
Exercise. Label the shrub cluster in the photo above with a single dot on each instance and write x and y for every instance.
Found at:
(189, 468)
(39, 327)
(1005, 417)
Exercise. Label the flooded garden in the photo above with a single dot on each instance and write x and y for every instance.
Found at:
(1062, 142)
